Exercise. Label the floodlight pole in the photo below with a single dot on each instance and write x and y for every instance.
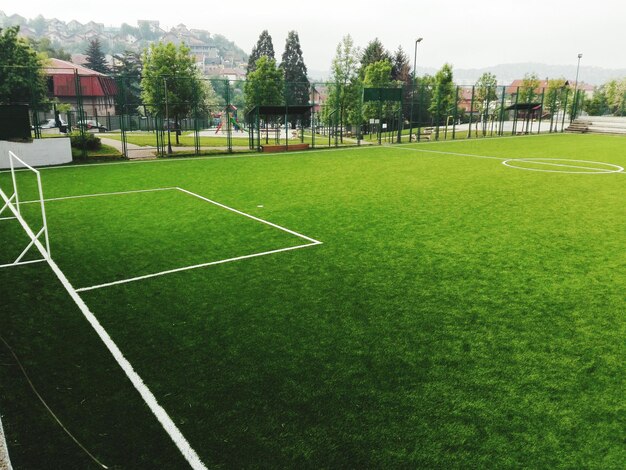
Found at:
(575, 103)
(417, 41)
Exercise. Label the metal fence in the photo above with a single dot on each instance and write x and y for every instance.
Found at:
(210, 115)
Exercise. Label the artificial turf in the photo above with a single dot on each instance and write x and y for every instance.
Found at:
(458, 314)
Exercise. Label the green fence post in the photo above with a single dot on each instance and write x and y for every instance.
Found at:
(565, 109)
(471, 111)
(80, 113)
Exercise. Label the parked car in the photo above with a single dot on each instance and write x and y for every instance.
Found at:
(91, 124)
(52, 124)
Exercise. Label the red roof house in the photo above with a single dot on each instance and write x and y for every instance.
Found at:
(97, 90)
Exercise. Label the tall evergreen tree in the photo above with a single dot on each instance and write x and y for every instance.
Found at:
(263, 48)
(373, 52)
(294, 70)
(128, 69)
(95, 57)
(401, 73)
(401, 69)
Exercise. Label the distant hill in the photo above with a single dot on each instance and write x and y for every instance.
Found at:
(506, 73)
(74, 37)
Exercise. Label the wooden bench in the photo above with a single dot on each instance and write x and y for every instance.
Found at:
(284, 148)
(425, 134)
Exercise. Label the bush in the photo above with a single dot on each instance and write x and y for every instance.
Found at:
(87, 141)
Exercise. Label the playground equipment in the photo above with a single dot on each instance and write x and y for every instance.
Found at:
(229, 114)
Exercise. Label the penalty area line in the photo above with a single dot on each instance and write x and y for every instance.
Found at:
(118, 193)
(258, 219)
(196, 266)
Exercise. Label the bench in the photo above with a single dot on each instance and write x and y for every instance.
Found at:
(284, 148)
(425, 134)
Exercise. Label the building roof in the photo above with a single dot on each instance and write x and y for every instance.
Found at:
(63, 67)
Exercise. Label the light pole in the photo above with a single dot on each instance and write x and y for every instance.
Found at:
(575, 103)
(417, 41)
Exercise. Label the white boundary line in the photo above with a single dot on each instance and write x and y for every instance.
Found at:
(530, 160)
(415, 149)
(187, 268)
(80, 196)
(595, 171)
(5, 461)
(166, 422)
(312, 242)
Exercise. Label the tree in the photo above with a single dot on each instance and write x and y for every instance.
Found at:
(343, 102)
(598, 105)
(373, 52)
(401, 73)
(615, 91)
(22, 79)
(294, 72)
(378, 75)
(128, 68)
(297, 86)
(95, 57)
(444, 94)
(263, 48)
(265, 84)
(555, 98)
(45, 46)
(485, 93)
(171, 68)
(528, 90)
(38, 25)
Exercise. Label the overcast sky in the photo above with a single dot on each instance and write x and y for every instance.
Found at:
(468, 34)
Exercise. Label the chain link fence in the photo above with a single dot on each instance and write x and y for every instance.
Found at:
(215, 115)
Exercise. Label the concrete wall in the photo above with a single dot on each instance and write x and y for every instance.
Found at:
(39, 152)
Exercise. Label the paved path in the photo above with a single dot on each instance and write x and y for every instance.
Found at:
(135, 152)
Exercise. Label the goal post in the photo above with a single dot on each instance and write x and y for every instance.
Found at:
(10, 210)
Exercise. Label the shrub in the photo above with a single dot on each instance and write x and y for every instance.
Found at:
(87, 141)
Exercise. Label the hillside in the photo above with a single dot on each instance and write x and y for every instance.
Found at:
(73, 37)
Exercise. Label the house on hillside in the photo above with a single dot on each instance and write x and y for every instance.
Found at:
(518, 84)
(74, 26)
(97, 91)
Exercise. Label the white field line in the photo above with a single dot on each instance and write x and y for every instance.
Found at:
(5, 461)
(594, 169)
(196, 266)
(80, 196)
(507, 159)
(312, 240)
(415, 149)
(166, 422)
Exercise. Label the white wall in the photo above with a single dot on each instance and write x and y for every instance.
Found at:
(39, 152)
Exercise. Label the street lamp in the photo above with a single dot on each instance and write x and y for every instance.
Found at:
(417, 41)
(575, 104)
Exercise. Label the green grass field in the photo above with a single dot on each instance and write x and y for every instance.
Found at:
(459, 312)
